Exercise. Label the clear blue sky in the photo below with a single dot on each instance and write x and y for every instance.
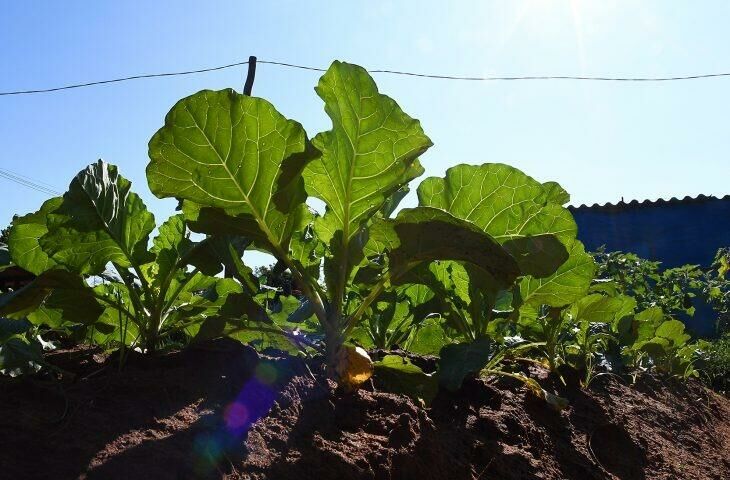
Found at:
(601, 141)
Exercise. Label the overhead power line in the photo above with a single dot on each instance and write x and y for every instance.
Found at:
(391, 72)
(124, 79)
(532, 77)
(28, 182)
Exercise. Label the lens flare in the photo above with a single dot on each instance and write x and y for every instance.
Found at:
(253, 402)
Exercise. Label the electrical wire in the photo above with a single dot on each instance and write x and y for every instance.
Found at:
(40, 182)
(124, 79)
(28, 182)
(533, 77)
(391, 72)
(48, 189)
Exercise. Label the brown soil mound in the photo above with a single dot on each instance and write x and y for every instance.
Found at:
(220, 411)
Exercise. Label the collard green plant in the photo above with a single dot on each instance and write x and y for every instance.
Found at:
(652, 340)
(240, 167)
(525, 218)
(576, 333)
(528, 219)
(96, 272)
(485, 271)
(21, 348)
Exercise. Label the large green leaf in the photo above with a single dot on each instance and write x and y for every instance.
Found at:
(24, 237)
(602, 309)
(20, 356)
(643, 326)
(17, 304)
(568, 284)
(99, 221)
(399, 375)
(370, 153)
(239, 160)
(424, 234)
(59, 291)
(428, 338)
(673, 330)
(421, 300)
(515, 209)
(169, 246)
(556, 193)
(217, 253)
(114, 325)
(458, 360)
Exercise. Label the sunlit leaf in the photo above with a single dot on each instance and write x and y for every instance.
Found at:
(99, 221)
(370, 153)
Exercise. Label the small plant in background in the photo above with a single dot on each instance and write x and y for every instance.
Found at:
(665, 294)
(21, 348)
(672, 289)
(716, 364)
(717, 289)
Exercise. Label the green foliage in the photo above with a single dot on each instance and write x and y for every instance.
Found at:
(400, 375)
(716, 364)
(717, 289)
(150, 294)
(674, 290)
(5, 260)
(241, 168)
(21, 349)
(671, 289)
(485, 271)
(5, 232)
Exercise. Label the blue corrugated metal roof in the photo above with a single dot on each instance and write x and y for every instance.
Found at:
(675, 231)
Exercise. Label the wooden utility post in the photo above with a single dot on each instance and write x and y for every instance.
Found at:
(248, 86)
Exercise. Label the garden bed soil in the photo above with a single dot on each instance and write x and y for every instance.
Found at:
(220, 410)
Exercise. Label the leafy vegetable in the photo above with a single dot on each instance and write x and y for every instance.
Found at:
(400, 375)
(241, 168)
(485, 272)
(21, 351)
(150, 294)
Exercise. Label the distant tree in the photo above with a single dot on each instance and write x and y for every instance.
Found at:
(275, 277)
(5, 232)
